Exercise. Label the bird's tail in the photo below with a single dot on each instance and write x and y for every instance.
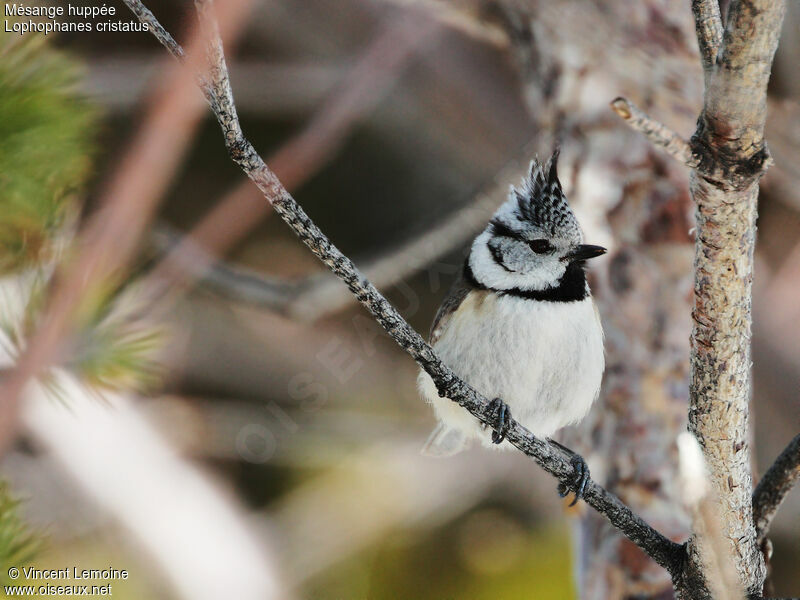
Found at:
(444, 441)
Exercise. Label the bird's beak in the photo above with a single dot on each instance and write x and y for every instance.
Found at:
(584, 252)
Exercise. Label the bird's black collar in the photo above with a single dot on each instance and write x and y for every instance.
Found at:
(571, 287)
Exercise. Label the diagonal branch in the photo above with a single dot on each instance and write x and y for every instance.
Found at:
(316, 296)
(364, 85)
(774, 485)
(664, 551)
(146, 16)
(659, 134)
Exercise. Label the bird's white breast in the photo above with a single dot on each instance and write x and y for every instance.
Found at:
(544, 359)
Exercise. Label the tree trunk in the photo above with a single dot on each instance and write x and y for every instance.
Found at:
(575, 58)
(570, 56)
(729, 142)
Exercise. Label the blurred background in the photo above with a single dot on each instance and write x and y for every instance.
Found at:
(226, 422)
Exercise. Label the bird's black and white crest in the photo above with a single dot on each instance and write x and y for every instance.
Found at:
(540, 203)
(533, 242)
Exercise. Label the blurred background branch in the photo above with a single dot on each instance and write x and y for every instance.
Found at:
(320, 295)
(284, 416)
(194, 532)
(109, 239)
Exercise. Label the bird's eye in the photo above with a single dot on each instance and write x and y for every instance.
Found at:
(540, 246)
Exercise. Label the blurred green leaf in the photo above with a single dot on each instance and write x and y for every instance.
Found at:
(118, 356)
(45, 147)
(18, 545)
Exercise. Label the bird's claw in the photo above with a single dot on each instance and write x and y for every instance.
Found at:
(503, 416)
(581, 479)
(580, 476)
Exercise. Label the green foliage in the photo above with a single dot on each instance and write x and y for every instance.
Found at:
(113, 346)
(118, 354)
(45, 141)
(45, 151)
(18, 545)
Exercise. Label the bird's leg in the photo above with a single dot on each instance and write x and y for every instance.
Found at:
(500, 408)
(581, 474)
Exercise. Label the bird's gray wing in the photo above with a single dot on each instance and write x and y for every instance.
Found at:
(454, 298)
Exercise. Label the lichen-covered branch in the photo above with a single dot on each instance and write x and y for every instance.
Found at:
(708, 25)
(667, 553)
(718, 570)
(729, 142)
(659, 134)
(731, 128)
(774, 485)
(146, 16)
(730, 156)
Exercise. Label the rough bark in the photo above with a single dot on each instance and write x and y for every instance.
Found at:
(730, 144)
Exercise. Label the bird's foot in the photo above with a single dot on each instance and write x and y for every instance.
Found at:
(580, 477)
(503, 416)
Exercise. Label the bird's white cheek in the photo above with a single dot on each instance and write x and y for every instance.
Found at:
(529, 271)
